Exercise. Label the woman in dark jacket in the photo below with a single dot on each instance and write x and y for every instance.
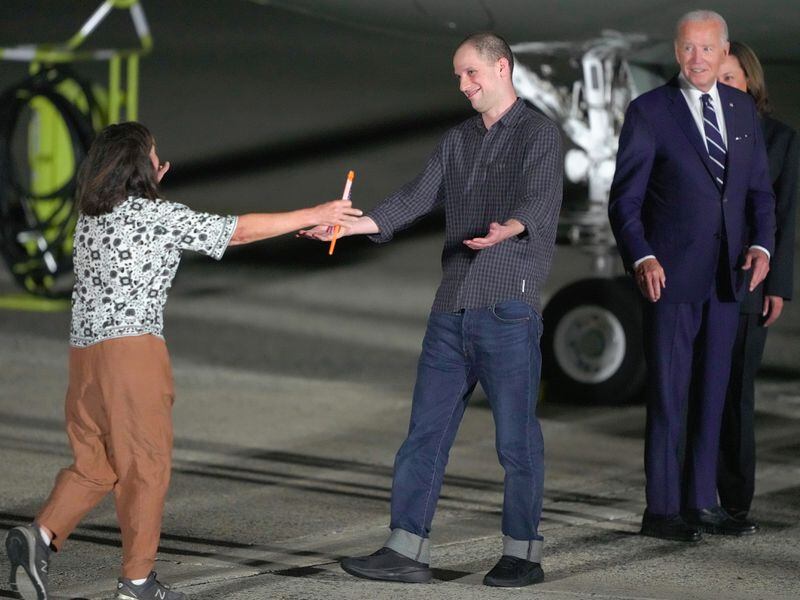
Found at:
(762, 307)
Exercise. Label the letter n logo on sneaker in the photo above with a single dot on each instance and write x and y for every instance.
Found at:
(161, 594)
(43, 568)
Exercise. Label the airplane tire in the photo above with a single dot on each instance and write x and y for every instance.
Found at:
(592, 342)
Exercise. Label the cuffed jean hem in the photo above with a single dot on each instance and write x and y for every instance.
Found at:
(410, 545)
(527, 549)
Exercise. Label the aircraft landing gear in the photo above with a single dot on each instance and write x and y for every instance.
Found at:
(592, 342)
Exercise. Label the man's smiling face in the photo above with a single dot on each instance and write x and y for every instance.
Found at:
(700, 50)
(478, 79)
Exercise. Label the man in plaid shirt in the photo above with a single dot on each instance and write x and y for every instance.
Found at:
(498, 177)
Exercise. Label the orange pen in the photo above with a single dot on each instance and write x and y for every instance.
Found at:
(346, 195)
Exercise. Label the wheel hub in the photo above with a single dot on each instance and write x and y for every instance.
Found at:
(589, 344)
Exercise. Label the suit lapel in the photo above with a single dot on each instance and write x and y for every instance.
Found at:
(729, 110)
(680, 111)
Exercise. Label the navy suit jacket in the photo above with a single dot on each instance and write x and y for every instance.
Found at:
(665, 202)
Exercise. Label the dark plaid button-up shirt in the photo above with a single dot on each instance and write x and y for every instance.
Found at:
(510, 171)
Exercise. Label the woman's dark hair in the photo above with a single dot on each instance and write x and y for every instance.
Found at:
(756, 86)
(118, 165)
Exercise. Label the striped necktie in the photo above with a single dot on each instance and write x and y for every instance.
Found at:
(716, 146)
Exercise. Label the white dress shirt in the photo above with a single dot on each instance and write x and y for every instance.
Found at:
(692, 96)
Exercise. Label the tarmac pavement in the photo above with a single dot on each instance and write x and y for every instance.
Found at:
(293, 393)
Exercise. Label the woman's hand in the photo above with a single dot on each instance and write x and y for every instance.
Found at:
(336, 212)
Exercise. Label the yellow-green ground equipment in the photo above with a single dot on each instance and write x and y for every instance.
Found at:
(47, 123)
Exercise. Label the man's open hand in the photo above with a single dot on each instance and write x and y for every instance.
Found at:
(497, 233)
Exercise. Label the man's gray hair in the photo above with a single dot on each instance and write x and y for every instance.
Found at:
(702, 15)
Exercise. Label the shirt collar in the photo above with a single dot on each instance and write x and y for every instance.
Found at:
(694, 93)
(513, 114)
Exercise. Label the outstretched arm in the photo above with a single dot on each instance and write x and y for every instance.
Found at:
(260, 226)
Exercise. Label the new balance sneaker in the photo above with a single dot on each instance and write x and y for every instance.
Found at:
(151, 589)
(26, 549)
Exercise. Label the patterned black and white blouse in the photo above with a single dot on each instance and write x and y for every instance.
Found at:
(125, 261)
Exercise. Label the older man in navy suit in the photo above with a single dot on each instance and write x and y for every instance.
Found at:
(691, 208)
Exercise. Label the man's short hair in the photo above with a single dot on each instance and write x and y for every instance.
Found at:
(490, 46)
(702, 15)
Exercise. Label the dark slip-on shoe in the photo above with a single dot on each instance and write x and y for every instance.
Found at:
(387, 565)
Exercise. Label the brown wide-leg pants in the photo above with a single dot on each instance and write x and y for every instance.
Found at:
(119, 424)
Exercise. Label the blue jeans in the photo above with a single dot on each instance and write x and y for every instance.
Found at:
(498, 347)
